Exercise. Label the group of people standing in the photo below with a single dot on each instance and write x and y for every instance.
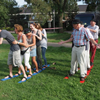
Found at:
(84, 42)
(31, 42)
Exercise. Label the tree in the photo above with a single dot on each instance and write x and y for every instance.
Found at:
(47, 6)
(7, 8)
(3, 14)
(40, 10)
(92, 5)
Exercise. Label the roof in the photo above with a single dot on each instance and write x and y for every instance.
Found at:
(28, 11)
(82, 7)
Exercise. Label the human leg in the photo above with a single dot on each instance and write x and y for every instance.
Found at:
(43, 55)
(93, 53)
(73, 60)
(35, 63)
(10, 63)
(80, 58)
(39, 56)
(88, 56)
(26, 61)
(17, 61)
(76, 66)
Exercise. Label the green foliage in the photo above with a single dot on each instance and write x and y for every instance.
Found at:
(8, 28)
(56, 37)
(46, 6)
(93, 5)
(40, 10)
(3, 14)
(7, 8)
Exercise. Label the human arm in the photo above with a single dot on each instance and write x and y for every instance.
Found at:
(94, 30)
(40, 35)
(93, 41)
(69, 40)
(45, 34)
(34, 41)
(1, 40)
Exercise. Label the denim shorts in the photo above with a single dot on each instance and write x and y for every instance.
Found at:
(33, 52)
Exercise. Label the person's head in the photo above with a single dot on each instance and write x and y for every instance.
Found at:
(33, 26)
(27, 32)
(92, 22)
(18, 28)
(76, 24)
(82, 24)
(39, 26)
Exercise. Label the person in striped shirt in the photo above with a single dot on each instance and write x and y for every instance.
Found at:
(78, 51)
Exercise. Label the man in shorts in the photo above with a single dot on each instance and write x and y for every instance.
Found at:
(14, 54)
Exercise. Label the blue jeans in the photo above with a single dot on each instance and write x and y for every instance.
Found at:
(43, 55)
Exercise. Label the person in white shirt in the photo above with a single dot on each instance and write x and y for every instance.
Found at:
(94, 29)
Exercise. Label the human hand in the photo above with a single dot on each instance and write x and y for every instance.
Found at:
(35, 35)
(93, 45)
(15, 42)
(98, 46)
(26, 46)
(61, 42)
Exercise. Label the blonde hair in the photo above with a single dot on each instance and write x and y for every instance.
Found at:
(39, 26)
(18, 27)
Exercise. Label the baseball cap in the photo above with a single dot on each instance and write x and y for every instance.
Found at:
(76, 21)
(27, 31)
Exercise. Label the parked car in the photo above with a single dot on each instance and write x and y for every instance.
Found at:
(85, 18)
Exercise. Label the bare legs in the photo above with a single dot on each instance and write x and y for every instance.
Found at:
(35, 63)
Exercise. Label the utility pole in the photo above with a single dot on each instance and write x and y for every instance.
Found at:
(54, 19)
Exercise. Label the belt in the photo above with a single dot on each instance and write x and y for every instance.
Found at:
(79, 46)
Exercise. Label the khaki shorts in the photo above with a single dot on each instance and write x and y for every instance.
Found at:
(14, 58)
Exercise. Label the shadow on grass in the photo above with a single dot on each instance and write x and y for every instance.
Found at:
(4, 68)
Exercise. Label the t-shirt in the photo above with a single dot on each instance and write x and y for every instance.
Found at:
(9, 37)
(95, 27)
(43, 42)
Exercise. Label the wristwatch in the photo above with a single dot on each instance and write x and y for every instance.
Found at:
(18, 42)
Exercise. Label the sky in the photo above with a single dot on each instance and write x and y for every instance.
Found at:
(20, 2)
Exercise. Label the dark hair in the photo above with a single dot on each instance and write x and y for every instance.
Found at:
(76, 21)
(33, 23)
(27, 30)
(93, 20)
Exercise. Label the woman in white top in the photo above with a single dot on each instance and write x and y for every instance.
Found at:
(22, 39)
(32, 44)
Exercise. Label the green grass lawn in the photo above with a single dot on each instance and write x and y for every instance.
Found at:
(50, 84)
(56, 37)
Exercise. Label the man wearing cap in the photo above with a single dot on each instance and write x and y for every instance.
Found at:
(78, 51)
(94, 29)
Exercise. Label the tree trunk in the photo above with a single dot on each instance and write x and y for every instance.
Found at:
(60, 22)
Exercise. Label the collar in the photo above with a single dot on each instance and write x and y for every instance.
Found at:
(78, 29)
